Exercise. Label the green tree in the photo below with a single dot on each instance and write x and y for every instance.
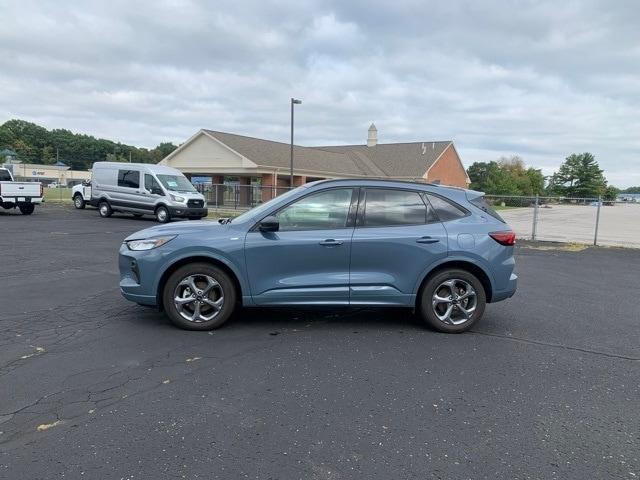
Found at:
(35, 144)
(579, 176)
(610, 193)
(507, 176)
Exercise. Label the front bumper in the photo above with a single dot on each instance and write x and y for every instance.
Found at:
(186, 212)
(508, 292)
(137, 275)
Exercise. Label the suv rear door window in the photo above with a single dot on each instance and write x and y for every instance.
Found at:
(392, 207)
(444, 209)
(129, 178)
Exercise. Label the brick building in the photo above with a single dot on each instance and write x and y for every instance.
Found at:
(218, 158)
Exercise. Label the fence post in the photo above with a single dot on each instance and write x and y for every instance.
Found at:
(595, 235)
(534, 229)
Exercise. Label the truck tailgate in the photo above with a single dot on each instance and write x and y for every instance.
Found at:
(20, 189)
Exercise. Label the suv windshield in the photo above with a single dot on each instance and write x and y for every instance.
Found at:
(482, 204)
(176, 183)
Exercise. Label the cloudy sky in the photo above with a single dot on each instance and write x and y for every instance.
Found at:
(536, 79)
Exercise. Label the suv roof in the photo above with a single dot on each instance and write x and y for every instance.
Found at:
(384, 181)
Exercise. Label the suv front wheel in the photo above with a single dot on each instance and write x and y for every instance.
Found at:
(199, 296)
(452, 301)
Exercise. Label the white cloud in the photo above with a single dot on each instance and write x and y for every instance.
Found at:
(538, 79)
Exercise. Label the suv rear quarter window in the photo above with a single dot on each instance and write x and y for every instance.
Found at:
(482, 204)
(444, 209)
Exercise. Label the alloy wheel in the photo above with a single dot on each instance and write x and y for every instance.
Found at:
(198, 298)
(454, 301)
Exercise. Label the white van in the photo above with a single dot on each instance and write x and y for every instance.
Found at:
(144, 189)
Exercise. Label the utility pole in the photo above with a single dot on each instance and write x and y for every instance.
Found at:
(293, 102)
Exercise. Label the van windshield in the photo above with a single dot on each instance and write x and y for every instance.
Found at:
(176, 183)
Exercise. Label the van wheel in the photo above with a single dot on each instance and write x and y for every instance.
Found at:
(105, 209)
(78, 201)
(162, 214)
(199, 296)
(452, 301)
(26, 209)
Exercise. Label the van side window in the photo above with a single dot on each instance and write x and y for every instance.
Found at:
(150, 183)
(129, 178)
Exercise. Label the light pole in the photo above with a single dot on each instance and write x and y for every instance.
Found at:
(293, 102)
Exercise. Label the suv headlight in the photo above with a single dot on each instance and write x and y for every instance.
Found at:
(177, 198)
(148, 243)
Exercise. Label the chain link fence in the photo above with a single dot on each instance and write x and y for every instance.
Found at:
(564, 219)
(238, 197)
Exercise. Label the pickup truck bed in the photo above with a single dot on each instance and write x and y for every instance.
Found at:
(22, 195)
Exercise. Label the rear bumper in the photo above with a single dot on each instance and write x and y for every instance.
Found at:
(508, 292)
(186, 212)
(21, 200)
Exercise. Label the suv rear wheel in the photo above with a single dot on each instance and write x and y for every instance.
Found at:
(452, 301)
(199, 296)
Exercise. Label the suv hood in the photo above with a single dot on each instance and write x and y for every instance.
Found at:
(179, 228)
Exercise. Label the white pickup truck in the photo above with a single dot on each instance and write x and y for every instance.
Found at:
(23, 195)
(81, 194)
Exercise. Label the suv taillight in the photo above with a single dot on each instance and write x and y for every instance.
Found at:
(507, 238)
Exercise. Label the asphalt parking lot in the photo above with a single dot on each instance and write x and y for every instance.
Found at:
(92, 386)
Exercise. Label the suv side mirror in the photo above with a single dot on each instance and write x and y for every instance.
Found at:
(269, 224)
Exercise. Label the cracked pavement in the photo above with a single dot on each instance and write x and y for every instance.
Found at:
(92, 386)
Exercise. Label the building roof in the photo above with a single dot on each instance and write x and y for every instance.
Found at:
(396, 160)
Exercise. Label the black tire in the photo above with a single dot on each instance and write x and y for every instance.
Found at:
(104, 209)
(27, 209)
(78, 201)
(162, 214)
(176, 285)
(458, 280)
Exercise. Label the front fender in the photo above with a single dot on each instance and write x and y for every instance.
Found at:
(234, 265)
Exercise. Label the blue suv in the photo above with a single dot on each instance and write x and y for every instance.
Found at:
(439, 250)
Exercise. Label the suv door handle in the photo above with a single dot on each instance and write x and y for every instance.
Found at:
(427, 240)
(330, 242)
